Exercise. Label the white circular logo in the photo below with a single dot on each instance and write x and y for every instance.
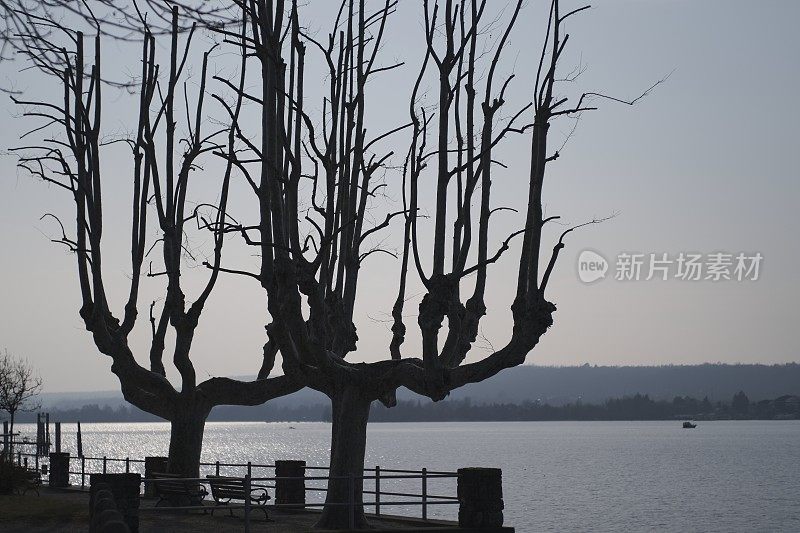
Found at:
(591, 266)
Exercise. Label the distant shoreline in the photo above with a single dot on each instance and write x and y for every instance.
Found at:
(638, 407)
(327, 422)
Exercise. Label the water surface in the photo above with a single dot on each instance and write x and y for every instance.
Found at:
(558, 476)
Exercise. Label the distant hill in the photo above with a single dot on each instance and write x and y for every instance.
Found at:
(594, 384)
(72, 400)
(562, 385)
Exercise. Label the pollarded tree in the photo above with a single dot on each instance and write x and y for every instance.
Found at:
(315, 177)
(19, 387)
(72, 159)
(24, 22)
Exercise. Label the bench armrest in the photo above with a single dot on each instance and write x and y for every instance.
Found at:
(259, 494)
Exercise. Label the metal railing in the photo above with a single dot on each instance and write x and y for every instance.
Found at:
(377, 477)
(351, 503)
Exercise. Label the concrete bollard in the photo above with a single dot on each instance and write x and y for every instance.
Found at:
(59, 470)
(153, 464)
(290, 492)
(125, 491)
(480, 498)
(99, 503)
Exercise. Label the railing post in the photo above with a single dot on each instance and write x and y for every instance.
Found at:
(351, 500)
(290, 485)
(83, 472)
(249, 469)
(480, 498)
(247, 504)
(425, 494)
(217, 470)
(59, 470)
(105, 461)
(377, 490)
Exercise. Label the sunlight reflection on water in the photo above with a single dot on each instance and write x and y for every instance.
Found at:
(574, 476)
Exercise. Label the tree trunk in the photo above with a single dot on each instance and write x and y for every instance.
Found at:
(186, 438)
(349, 414)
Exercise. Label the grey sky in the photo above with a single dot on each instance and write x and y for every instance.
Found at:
(708, 162)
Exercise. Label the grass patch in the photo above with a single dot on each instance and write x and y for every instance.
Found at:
(45, 508)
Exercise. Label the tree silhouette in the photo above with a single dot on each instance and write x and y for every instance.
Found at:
(19, 386)
(73, 163)
(740, 403)
(26, 23)
(316, 175)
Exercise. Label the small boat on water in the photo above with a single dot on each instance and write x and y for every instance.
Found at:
(689, 425)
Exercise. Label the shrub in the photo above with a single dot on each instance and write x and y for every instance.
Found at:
(11, 476)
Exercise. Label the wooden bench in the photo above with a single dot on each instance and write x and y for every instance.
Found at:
(178, 492)
(225, 489)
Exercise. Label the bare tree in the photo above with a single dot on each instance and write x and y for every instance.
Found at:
(315, 177)
(26, 22)
(19, 387)
(160, 176)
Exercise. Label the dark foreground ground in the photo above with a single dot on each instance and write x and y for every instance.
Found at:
(68, 511)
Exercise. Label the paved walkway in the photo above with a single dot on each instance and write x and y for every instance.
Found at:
(57, 511)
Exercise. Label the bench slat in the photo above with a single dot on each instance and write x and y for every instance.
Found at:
(227, 488)
(171, 485)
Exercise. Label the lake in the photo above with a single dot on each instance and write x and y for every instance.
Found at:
(557, 476)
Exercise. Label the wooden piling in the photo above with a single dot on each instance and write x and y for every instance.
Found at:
(80, 441)
(47, 432)
(39, 434)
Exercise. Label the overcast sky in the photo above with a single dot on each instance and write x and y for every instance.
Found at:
(707, 163)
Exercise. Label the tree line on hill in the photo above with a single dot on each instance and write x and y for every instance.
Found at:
(595, 384)
(634, 407)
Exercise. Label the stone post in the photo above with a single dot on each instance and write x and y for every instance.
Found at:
(59, 469)
(103, 512)
(153, 464)
(480, 498)
(290, 491)
(125, 490)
